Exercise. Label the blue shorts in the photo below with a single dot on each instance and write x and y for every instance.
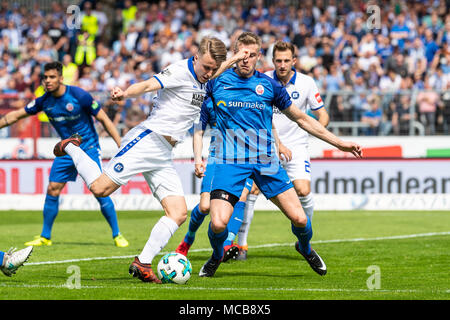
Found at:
(232, 177)
(208, 179)
(64, 170)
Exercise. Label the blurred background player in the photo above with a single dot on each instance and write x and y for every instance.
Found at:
(12, 260)
(249, 211)
(70, 110)
(200, 211)
(147, 148)
(304, 95)
(244, 102)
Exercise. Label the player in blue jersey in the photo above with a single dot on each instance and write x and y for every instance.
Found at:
(243, 102)
(70, 110)
(201, 210)
(148, 147)
(12, 260)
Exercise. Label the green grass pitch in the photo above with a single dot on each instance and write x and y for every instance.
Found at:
(370, 256)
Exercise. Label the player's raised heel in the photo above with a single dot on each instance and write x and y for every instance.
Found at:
(230, 252)
(183, 248)
(143, 271)
(314, 260)
(58, 150)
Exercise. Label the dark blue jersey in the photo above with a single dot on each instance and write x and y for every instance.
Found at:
(243, 109)
(71, 113)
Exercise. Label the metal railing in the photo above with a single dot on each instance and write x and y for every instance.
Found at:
(347, 124)
(356, 104)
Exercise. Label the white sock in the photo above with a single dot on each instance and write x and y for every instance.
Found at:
(160, 235)
(308, 205)
(248, 217)
(86, 167)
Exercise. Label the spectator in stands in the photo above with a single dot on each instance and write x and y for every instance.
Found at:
(389, 120)
(403, 116)
(400, 31)
(431, 46)
(70, 70)
(412, 41)
(416, 54)
(128, 14)
(427, 102)
(373, 116)
(391, 81)
(12, 32)
(433, 22)
(334, 81)
(102, 17)
(171, 56)
(4, 77)
(327, 56)
(89, 21)
(134, 116)
(309, 60)
(85, 53)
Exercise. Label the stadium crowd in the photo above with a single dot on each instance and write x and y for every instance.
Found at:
(372, 62)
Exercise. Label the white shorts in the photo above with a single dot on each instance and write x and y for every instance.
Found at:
(299, 167)
(146, 152)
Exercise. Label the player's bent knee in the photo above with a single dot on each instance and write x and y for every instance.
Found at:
(300, 221)
(303, 191)
(175, 208)
(99, 191)
(179, 218)
(218, 226)
(54, 189)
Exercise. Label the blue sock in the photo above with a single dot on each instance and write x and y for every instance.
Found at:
(109, 212)
(51, 206)
(216, 240)
(235, 222)
(2, 255)
(196, 221)
(304, 236)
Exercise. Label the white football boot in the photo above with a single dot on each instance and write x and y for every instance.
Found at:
(15, 259)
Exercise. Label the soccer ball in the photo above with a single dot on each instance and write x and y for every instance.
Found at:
(174, 268)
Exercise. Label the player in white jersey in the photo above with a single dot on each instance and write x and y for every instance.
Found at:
(147, 148)
(305, 95)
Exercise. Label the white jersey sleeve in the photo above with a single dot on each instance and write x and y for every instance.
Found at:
(315, 101)
(178, 102)
(171, 77)
(304, 94)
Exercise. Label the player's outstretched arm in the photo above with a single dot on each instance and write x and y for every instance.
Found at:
(197, 145)
(322, 116)
(12, 117)
(314, 127)
(109, 126)
(242, 54)
(135, 90)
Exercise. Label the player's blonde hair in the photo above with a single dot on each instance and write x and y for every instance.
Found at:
(247, 38)
(215, 47)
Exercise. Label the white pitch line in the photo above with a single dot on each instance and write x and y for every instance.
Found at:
(407, 236)
(178, 287)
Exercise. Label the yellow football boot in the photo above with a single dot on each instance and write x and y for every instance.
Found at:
(120, 241)
(39, 241)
